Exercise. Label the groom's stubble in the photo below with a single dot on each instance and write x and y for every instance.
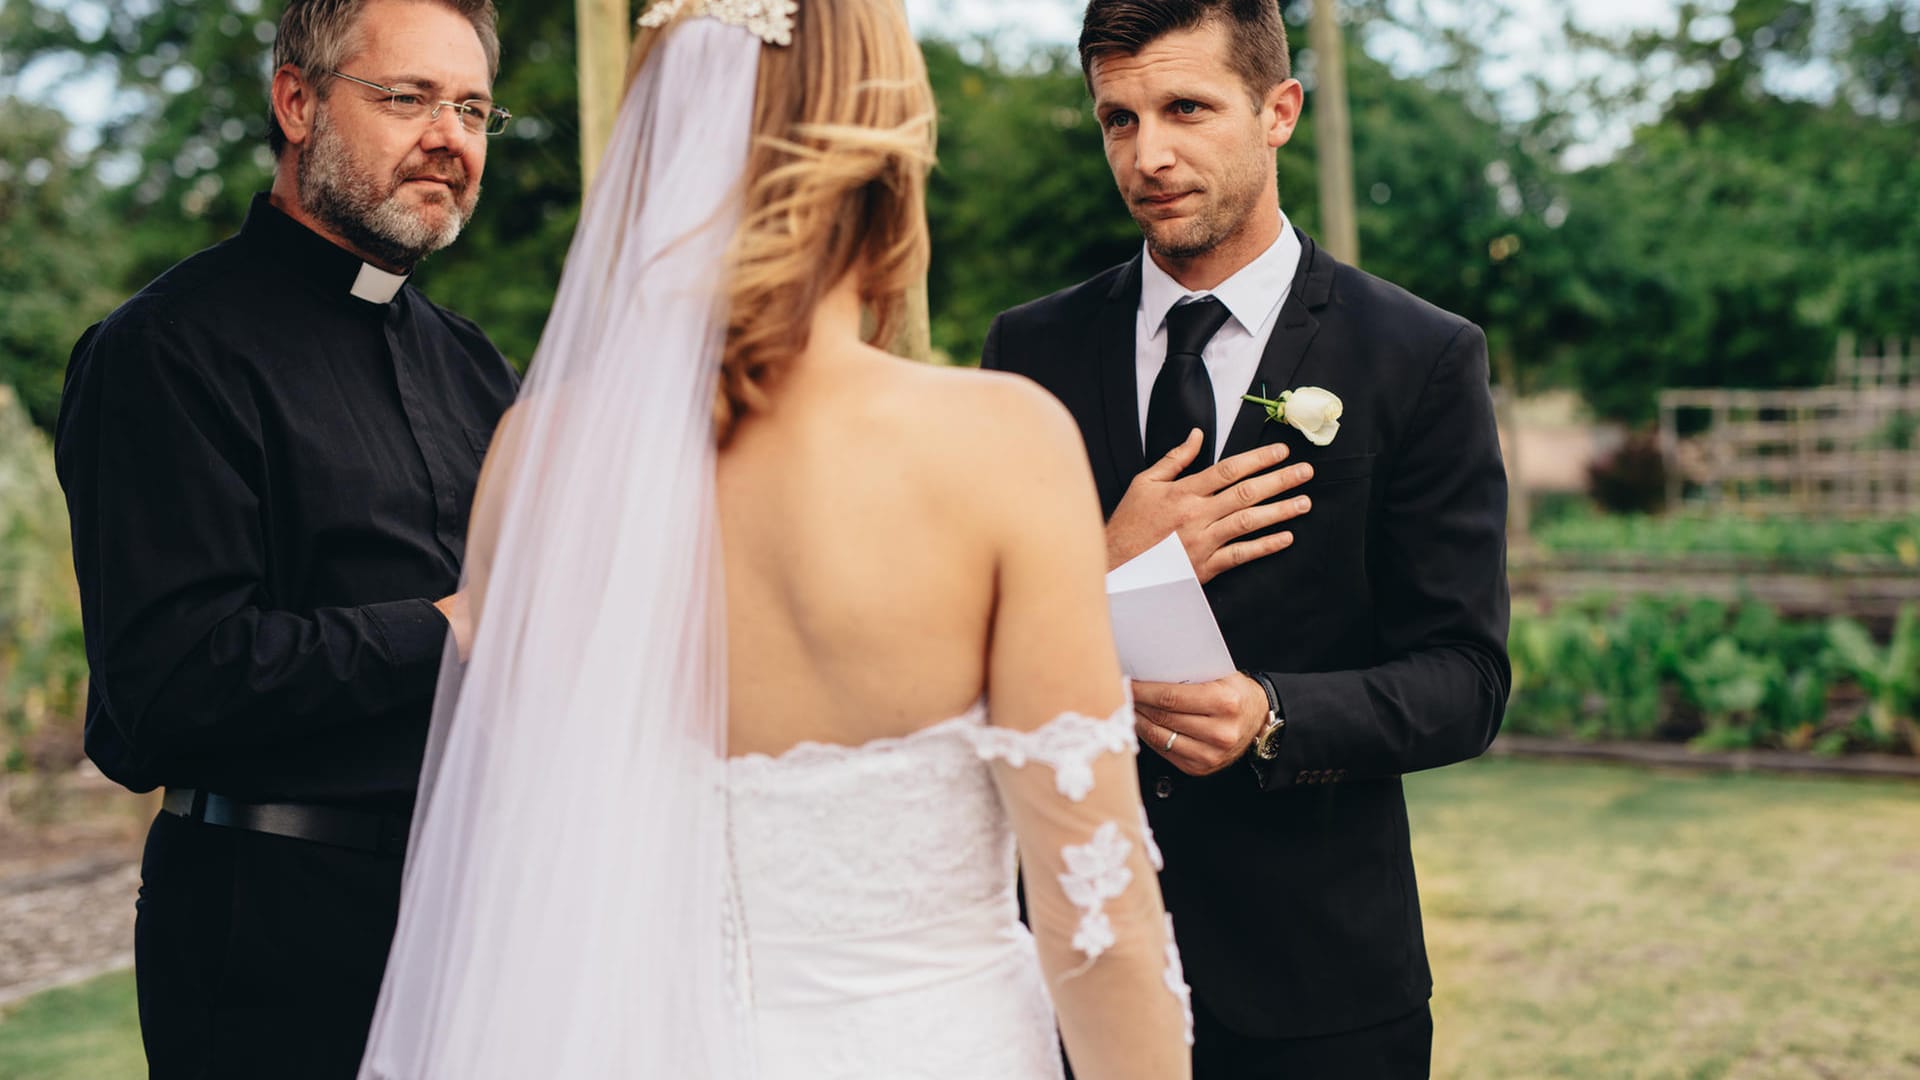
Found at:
(1227, 202)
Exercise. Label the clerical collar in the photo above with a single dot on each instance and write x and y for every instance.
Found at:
(327, 265)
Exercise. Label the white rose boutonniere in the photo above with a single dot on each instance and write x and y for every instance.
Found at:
(1314, 411)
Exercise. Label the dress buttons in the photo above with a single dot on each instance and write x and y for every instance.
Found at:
(1163, 787)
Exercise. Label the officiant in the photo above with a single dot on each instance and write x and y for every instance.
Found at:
(269, 455)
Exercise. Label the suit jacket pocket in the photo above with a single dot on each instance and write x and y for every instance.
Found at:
(1330, 541)
(1337, 470)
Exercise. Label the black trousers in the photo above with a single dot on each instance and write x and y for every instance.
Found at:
(1399, 1049)
(258, 956)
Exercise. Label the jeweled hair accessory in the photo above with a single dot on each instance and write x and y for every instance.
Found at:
(769, 20)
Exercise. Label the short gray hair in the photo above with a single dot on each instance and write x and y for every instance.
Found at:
(317, 36)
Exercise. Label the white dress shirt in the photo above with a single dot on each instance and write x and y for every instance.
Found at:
(1253, 296)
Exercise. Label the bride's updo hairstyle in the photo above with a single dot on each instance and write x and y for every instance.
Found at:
(836, 180)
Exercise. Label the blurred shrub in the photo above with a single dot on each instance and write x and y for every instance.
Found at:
(1551, 508)
(43, 667)
(1898, 432)
(1717, 675)
(1631, 480)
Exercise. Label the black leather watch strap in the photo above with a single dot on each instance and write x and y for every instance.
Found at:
(1266, 745)
(1273, 696)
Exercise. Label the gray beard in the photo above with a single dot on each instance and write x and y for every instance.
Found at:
(353, 203)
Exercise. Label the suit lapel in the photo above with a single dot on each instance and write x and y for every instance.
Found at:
(1293, 333)
(1113, 345)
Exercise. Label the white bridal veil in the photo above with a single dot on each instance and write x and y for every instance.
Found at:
(564, 903)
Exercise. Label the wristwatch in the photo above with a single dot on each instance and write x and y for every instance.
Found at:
(1266, 745)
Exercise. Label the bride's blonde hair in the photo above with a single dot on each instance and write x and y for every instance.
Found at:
(843, 134)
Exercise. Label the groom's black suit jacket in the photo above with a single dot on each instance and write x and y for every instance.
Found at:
(1383, 627)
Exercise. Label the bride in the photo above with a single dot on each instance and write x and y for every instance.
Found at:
(690, 808)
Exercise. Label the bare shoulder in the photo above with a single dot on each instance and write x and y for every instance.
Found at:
(994, 422)
(1001, 454)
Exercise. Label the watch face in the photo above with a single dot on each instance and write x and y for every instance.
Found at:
(1268, 744)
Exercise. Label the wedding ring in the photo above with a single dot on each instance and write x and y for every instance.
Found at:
(1170, 738)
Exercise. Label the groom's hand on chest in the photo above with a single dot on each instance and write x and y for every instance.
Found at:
(1211, 510)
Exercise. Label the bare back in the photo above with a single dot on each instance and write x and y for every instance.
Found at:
(898, 538)
(860, 576)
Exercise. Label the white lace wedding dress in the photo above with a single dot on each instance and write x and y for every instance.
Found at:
(875, 928)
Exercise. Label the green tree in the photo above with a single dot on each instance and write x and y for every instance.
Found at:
(1760, 219)
(190, 134)
(57, 256)
(1021, 203)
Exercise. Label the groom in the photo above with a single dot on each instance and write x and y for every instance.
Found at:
(1375, 645)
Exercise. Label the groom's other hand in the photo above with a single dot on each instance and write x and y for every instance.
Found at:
(1209, 725)
(1211, 510)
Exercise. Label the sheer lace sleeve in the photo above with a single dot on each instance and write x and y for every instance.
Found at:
(1089, 862)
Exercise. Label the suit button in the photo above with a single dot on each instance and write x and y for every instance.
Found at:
(1163, 787)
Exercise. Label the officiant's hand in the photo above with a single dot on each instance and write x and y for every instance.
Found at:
(1200, 727)
(1211, 510)
(459, 621)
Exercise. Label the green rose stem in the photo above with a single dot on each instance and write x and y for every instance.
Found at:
(1276, 408)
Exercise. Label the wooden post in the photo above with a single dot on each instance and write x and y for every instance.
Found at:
(1332, 135)
(601, 39)
(1670, 447)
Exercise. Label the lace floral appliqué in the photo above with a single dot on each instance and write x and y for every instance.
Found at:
(1069, 742)
(1176, 980)
(1154, 858)
(1096, 872)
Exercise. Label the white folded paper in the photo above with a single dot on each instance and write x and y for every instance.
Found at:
(1161, 622)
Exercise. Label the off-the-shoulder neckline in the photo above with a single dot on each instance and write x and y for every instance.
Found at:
(813, 750)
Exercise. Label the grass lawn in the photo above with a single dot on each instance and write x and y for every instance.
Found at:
(1586, 921)
(84, 1032)
(1606, 921)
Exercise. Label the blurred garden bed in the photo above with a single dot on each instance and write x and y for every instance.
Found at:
(1727, 634)
(1862, 568)
(1714, 675)
(1775, 543)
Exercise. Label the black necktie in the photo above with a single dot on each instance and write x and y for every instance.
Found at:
(1183, 393)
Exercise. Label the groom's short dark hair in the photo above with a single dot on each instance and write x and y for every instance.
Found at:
(1257, 33)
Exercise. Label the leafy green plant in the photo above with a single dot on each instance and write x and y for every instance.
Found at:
(1890, 674)
(1729, 685)
(1719, 675)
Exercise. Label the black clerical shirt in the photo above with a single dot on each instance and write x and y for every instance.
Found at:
(269, 455)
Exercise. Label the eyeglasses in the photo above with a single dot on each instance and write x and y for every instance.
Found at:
(477, 115)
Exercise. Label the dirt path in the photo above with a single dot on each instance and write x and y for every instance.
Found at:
(68, 877)
(66, 926)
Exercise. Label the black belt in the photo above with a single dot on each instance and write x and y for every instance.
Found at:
(360, 830)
